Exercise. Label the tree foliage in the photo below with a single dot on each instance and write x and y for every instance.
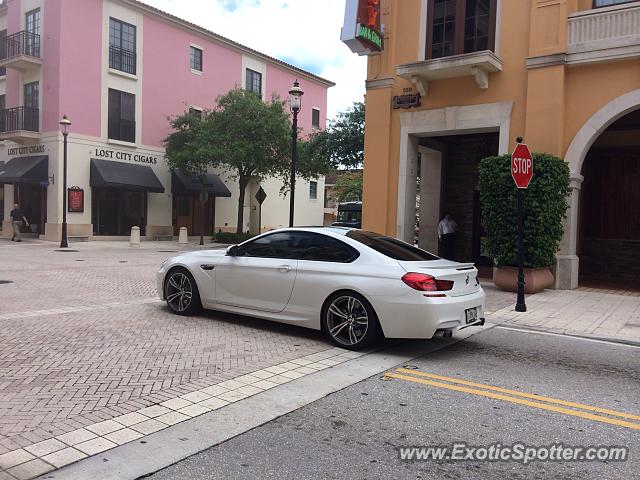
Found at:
(341, 145)
(545, 204)
(348, 187)
(242, 135)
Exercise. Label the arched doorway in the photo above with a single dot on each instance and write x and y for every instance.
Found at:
(608, 239)
(568, 262)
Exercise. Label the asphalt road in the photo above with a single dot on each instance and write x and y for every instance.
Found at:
(356, 433)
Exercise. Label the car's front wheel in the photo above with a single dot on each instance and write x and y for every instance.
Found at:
(181, 292)
(349, 321)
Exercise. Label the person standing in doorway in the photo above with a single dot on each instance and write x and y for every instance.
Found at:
(16, 221)
(447, 229)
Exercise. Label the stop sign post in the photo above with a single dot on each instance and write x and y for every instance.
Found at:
(522, 173)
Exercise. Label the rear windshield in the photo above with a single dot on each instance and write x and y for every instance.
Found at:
(391, 247)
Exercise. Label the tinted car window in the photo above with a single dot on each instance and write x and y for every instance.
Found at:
(278, 245)
(299, 246)
(391, 247)
(322, 248)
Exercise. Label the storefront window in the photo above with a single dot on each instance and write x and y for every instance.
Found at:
(116, 211)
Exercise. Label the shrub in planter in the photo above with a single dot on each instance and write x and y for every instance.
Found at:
(231, 238)
(545, 204)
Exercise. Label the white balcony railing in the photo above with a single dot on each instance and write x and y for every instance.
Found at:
(605, 34)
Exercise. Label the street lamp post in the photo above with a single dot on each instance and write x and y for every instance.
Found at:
(295, 98)
(65, 125)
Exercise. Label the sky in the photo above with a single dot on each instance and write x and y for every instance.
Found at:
(300, 32)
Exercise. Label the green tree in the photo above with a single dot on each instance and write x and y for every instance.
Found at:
(348, 187)
(341, 145)
(242, 135)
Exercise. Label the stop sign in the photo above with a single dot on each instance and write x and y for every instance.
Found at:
(522, 165)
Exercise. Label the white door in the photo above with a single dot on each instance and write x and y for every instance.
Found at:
(260, 277)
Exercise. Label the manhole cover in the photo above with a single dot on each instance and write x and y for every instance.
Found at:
(67, 251)
(2, 282)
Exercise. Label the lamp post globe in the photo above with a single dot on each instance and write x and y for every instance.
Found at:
(65, 123)
(295, 100)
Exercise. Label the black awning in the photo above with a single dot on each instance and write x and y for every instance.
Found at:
(32, 170)
(192, 185)
(124, 176)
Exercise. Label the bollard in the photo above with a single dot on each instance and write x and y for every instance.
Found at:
(182, 238)
(134, 241)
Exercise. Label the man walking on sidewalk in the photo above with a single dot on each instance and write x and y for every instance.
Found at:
(16, 220)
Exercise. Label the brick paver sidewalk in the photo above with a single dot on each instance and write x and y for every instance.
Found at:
(84, 339)
(586, 312)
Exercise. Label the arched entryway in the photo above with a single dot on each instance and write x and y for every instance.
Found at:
(609, 216)
(568, 261)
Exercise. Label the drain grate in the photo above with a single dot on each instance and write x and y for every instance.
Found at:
(167, 251)
(3, 282)
(67, 251)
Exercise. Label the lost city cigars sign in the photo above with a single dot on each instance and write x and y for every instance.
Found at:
(362, 30)
(126, 156)
(31, 149)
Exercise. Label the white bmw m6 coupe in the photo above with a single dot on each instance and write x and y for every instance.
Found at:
(352, 284)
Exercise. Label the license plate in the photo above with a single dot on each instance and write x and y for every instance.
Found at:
(471, 315)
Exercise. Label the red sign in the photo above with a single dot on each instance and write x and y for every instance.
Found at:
(522, 165)
(75, 200)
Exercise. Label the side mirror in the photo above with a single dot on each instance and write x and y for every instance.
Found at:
(232, 251)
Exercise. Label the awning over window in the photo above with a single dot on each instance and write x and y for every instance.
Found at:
(185, 184)
(33, 170)
(124, 176)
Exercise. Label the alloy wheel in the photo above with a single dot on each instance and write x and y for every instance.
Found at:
(179, 292)
(347, 320)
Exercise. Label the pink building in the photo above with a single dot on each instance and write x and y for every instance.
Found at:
(118, 69)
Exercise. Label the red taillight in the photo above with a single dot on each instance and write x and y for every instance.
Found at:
(426, 283)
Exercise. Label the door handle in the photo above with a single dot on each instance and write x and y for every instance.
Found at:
(284, 268)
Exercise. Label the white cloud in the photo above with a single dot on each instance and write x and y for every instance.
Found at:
(306, 34)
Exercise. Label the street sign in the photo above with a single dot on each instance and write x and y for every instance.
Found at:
(261, 196)
(522, 165)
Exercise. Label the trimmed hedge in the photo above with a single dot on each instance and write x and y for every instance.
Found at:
(232, 238)
(545, 205)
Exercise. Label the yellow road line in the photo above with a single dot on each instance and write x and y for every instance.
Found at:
(534, 396)
(519, 401)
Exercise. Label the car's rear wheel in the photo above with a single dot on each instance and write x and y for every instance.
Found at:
(349, 321)
(181, 292)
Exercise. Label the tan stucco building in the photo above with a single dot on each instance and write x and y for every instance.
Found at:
(563, 74)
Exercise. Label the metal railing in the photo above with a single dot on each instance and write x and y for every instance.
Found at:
(121, 59)
(21, 43)
(19, 118)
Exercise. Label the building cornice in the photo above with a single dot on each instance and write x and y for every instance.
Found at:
(385, 82)
(210, 35)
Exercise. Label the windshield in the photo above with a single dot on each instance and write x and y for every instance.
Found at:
(349, 217)
(391, 247)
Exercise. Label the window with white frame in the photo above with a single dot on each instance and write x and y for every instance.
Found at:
(122, 116)
(313, 190)
(253, 82)
(196, 58)
(122, 46)
(315, 118)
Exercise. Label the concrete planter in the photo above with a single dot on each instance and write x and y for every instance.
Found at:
(535, 279)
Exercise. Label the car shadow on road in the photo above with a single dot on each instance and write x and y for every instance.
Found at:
(292, 331)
